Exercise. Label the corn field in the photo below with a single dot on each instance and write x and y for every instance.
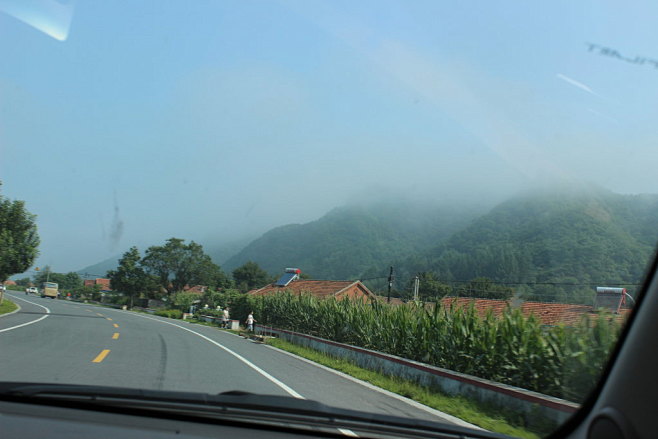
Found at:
(560, 361)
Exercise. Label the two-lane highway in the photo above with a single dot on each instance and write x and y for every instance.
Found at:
(56, 341)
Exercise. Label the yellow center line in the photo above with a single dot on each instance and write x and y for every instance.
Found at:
(99, 314)
(88, 310)
(115, 325)
(115, 336)
(108, 319)
(100, 357)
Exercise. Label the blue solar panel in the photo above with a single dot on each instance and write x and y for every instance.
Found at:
(286, 279)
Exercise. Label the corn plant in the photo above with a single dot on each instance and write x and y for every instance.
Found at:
(511, 348)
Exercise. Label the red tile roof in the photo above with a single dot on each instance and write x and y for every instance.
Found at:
(482, 306)
(394, 300)
(317, 288)
(195, 289)
(556, 313)
(103, 282)
(547, 313)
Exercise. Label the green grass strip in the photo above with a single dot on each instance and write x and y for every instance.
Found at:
(457, 406)
(7, 306)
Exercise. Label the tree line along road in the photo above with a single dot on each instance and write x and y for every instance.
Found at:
(57, 341)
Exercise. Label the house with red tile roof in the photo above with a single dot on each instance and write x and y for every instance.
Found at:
(550, 314)
(102, 282)
(322, 289)
(195, 289)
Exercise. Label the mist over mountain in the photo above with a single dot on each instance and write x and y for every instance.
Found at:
(549, 244)
(576, 239)
(347, 241)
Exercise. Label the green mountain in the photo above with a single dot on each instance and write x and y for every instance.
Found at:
(575, 239)
(349, 240)
(99, 269)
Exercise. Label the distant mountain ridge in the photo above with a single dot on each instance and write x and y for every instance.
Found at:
(99, 269)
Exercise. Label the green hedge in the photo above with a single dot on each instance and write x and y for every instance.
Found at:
(171, 313)
(561, 361)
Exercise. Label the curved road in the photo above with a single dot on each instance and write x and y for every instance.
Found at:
(56, 341)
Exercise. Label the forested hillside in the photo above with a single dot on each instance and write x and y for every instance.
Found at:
(552, 244)
(344, 243)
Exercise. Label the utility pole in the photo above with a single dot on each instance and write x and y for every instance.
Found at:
(416, 286)
(390, 284)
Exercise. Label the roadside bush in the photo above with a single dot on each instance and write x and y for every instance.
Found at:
(116, 299)
(208, 312)
(170, 313)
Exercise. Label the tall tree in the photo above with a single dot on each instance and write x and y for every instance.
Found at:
(19, 241)
(249, 276)
(71, 281)
(130, 277)
(177, 264)
(24, 282)
(213, 276)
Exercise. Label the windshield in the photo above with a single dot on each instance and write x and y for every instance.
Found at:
(428, 210)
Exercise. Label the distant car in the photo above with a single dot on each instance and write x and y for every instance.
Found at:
(32, 290)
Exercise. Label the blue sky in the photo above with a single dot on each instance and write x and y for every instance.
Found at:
(212, 121)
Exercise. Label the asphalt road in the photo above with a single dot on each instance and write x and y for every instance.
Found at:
(57, 341)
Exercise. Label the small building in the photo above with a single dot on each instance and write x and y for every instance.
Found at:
(103, 283)
(322, 289)
(548, 313)
(195, 289)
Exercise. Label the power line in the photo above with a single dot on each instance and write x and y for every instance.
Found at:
(543, 283)
(473, 281)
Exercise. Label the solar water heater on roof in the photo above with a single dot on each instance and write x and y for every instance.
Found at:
(285, 279)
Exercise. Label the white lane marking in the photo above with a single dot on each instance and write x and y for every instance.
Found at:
(411, 402)
(28, 323)
(344, 431)
(236, 355)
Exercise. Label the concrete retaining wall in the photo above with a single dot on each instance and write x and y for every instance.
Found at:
(535, 407)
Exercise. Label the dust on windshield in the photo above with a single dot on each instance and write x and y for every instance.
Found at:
(451, 203)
